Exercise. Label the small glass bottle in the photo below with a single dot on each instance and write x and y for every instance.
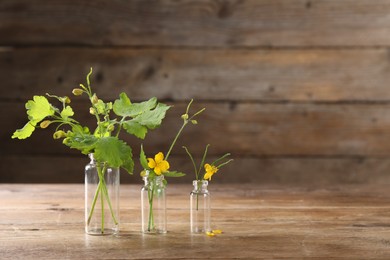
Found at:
(200, 207)
(153, 205)
(101, 198)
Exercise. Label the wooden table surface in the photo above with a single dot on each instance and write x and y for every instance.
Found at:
(46, 222)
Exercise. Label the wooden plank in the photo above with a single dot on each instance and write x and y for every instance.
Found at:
(248, 23)
(289, 170)
(244, 129)
(258, 221)
(333, 75)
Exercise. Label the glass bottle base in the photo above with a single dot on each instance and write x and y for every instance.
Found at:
(100, 232)
(199, 230)
(154, 231)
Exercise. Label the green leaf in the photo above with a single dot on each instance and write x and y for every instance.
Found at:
(113, 151)
(174, 174)
(39, 108)
(122, 104)
(153, 118)
(142, 159)
(26, 131)
(81, 141)
(124, 107)
(135, 128)
(128, 164)
(67, 112)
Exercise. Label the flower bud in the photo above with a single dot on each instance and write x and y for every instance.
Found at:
(143, 173)
(59, 134)
(94, 99)
(66, 141)
(77, 91)
(184, 116)
(67, 99)
(194, 122)
(45, 123)
(111, 128)
(92, 111)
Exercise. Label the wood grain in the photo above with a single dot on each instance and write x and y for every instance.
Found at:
(244, 129)
(307, 75)
(205, 23)
(262, 222)
(270, 170)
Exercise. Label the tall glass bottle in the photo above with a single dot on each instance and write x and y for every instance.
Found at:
(153, 205)
(101, 198)
(200, 207)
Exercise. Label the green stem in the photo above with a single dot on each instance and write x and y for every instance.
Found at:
(120, 126)
(193, 162)
(102, 203)
(94, 203)
(174, 140)
(223, 164)
(203, 159)
(220, 159)
(150, 221)
(182, 127)
(103, 189)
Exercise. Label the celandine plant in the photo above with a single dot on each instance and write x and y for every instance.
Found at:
(153, 203)
(106, 149)
(200, 197)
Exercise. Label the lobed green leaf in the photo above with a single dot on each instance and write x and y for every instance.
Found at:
(26, 131)
(153, 118)
(124, 107)
(67, 112)
(135, 128)
(113, 151)
(81, 141)
(39, 108)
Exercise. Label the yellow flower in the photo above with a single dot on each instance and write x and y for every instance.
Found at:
(210, 170)
(158, 164)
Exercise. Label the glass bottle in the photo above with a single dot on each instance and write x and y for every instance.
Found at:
(153, 205)
(200, 207)
(101, 198)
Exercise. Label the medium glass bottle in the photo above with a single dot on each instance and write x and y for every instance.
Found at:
(153, 205)
(200, 207)
(101, 198)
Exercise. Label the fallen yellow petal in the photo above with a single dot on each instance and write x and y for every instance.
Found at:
(210, 233)
(217, 231)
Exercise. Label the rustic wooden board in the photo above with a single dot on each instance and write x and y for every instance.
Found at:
(244, 129)
(248, 23)
(289, 170)
(303, 75)
(263, 222)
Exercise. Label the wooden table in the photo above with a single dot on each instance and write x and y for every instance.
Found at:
(46, 222)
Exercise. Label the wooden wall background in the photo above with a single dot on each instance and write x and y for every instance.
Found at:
(297, 90)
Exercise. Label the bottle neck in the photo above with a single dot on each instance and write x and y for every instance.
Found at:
(200, 186)
(158, 180)
(92, 158)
